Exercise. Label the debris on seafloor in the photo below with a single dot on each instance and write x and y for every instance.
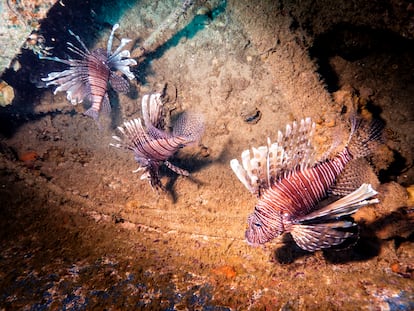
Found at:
(158, 36)
(291, 184)
(251, 116)
(225, 271)
(87, 77)
(6, 94)
(388, 297)
(153, 145)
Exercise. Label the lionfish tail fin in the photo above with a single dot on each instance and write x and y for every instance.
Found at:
(93, 113)
(345, 206)
(316, 237)
(365, 136)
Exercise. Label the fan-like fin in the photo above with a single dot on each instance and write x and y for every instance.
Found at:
(189, 125)
(118, 83)
(355, 173)
(297, 145)
(346, 205)
(315, 237)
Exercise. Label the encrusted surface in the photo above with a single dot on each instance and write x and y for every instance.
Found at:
(79, 230)
(18, 20)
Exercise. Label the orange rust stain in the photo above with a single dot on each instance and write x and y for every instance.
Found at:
(227, 271)
(395, 267)
(28, 156)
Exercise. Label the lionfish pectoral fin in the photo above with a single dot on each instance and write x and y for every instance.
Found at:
(355, 173)
(118, 83)
(345, 206)
(319, 236)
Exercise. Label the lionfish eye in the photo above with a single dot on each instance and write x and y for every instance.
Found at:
(259, 225)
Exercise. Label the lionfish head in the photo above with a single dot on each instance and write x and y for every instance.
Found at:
(150, 172)
(259, 232)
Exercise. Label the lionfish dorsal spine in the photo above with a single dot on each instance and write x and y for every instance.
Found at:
(73, 48)
(241, 174)
(292, 150)
(110, 40)
(152, 110)
(119, 52)
(79, 40)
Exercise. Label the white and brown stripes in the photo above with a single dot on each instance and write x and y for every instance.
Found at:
(295, 195)
(152, 145)
(98, 75)
(147, 146)
(88, 77)
(291, 189)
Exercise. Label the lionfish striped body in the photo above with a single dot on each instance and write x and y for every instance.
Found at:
(153, 145)
(88, 77)
(290, 185)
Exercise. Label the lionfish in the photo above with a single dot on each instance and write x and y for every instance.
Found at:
(291, 185)
(152, 145)
(87, 77)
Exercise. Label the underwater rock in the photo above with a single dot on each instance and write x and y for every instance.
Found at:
(251, 115)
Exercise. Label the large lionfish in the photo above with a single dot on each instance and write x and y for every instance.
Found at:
(153, 145)
(291, 184)
(87, 77)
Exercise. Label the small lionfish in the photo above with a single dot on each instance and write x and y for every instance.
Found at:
(88, 77)
(152, 145)
(290, 184)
